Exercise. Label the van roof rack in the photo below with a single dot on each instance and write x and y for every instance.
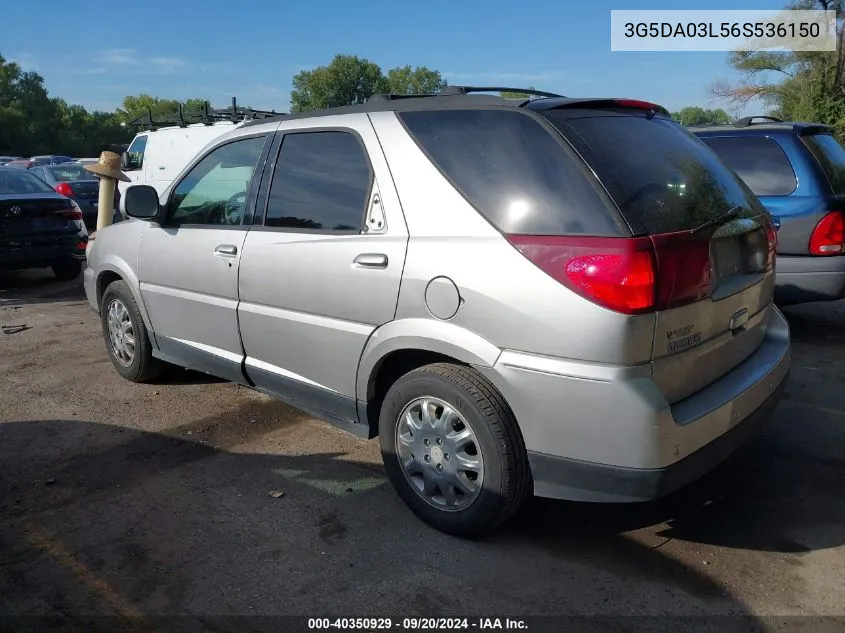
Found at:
(746, 121)
(206, 116)
(463, 90)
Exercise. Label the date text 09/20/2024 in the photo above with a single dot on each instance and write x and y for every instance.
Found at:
(417, 624)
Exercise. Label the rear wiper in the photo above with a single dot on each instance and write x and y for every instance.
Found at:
(730, 214)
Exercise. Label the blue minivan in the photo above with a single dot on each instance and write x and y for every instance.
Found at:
(797, 170)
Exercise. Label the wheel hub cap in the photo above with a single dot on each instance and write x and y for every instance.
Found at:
(439, 454)
(121, 332)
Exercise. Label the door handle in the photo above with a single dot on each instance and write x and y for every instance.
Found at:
(371, 260)
(226, 250)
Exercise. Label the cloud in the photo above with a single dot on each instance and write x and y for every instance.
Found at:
(167, 64)
(94, 71)
(121, 57)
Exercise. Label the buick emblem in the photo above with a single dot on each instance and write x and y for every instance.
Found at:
(15, 210)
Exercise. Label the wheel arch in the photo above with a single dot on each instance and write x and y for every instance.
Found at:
(115, 269)
(401, 346)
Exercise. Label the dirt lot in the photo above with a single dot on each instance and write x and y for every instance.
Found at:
(145, 500)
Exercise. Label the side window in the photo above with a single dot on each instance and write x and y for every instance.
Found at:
(214, 191)
(322, 182)
(135, 153)
(759, 161)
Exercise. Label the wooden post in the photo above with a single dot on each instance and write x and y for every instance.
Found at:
(108, 169)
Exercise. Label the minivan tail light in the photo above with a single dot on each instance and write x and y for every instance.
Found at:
(628, 275)
(828, 238)
(64, 189)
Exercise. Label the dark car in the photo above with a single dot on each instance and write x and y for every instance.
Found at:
(52, 159)
(797, 170)
(39, 228)
(72, 181)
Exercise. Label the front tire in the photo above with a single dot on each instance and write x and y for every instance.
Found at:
(67, 270)
(127, 341)
(453, 450)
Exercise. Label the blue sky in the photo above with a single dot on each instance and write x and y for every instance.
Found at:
(178, 50)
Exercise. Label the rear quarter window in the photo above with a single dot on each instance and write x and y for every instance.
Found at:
(515, 172)
(760, 162)
(662, 178)
(831, 156)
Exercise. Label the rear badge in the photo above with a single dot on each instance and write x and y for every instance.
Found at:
(681, 338)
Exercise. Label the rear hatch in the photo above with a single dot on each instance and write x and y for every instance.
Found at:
(712, 239)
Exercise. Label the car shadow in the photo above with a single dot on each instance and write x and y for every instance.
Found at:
(112, 521)
(25, 287)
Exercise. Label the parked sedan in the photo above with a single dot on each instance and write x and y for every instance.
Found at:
(72, 181)
(39, 228)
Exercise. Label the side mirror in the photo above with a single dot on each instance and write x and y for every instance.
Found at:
(141, 201)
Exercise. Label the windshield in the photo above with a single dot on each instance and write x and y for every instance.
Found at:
(70, 172)
(831, 156)
(20, 182)
(662, 178)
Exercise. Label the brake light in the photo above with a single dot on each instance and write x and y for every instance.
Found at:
(74, 213)
(628, 275)
(64, 189)
(638, 104)
(772, 239)
(828, 237)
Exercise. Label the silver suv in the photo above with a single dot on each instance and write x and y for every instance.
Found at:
(570, 297)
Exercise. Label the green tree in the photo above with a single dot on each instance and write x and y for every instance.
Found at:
(696, 115)
(797, 86)
(347, 80)
(30, 121)
(135, 106)
(405, 80)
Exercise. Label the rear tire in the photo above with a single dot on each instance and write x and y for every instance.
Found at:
(463, 468)
(127, 341)
(67, 270)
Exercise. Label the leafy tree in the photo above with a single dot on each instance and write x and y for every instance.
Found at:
(695, 115)
(347, 80)
(135, 106)
(405, 80)
(799, 85)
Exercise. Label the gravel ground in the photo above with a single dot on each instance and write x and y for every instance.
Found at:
(142, 501)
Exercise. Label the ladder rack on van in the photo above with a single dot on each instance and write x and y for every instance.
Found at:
(206, 116)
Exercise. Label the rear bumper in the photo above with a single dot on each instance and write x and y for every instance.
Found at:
(564, 478)
(801, 279)
(24, 258)
(607, 434)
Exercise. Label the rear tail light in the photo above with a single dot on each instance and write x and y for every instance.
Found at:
(828, 237)
(64, 189)
(630, 275)
(74, 213)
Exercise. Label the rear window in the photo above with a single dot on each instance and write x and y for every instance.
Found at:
(70, 172)
(759, 161)
(19, 182)
(662, 178)
(830, 155)
(514, 172)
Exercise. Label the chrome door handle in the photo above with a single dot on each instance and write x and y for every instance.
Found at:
(226, 250)
(371, 260)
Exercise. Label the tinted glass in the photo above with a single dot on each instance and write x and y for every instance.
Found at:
(58, 160)
(214, 191)
(662, 177)
(514, 172)
(759, 161)
(322, 182)
(69, 172)
(135, 152)
(831, 157)
(12, 182)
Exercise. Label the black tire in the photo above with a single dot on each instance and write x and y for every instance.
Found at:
(144, 366)
(67, 270)
(506, 474)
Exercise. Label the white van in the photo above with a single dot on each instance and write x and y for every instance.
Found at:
(155, 157)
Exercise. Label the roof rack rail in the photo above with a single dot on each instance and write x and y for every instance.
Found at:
(206, 116)
(463, 90)
(382, 96)
(746, 121)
